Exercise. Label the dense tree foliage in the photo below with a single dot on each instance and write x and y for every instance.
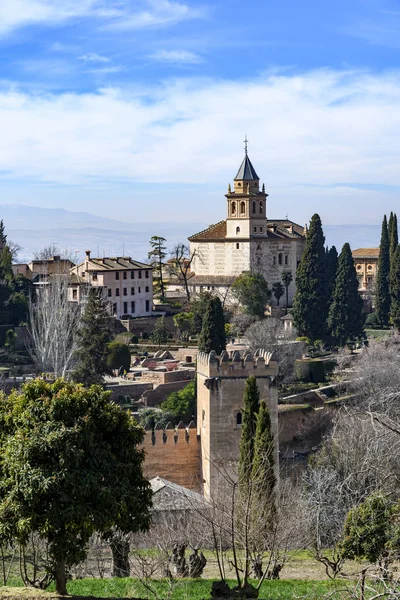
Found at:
(118, 356)
(251, 406)
(263, 471)
(345, 319)
(69, 466)
(287, 279)
(253, 293)
(213, 336)
(382, 293)
(157, 256)
(181, 405)
(331, 270)
(184, 322)
(93, 338)
(395, 288)
(160, 333)
(278, 290)
(310, 305)
(198, 309)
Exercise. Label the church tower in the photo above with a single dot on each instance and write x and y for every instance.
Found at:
(247, 215)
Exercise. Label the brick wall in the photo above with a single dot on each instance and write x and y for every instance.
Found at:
(161, 392)
(174, 455)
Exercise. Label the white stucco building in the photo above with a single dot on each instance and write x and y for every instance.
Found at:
(246, 240)
(127, 284)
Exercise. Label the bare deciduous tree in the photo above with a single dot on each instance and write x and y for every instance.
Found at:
(53, 322)
(180, 265)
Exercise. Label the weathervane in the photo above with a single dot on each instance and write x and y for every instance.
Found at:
(246, 141)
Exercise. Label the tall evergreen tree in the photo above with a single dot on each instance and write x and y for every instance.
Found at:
(263, 472)
(287, 279)
(382, 295)
(212, 336)
(310, 305)
(345, 319)
(390, 229)
(93, 339)
(395, 289)
(251, 406)
(393, 242)
(331, 270)
(157, 255)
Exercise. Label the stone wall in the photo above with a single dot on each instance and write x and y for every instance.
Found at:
(161, 377)
(161, 392)
(174, 455)
(133, 390)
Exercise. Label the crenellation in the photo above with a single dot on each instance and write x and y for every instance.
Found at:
(262, 364)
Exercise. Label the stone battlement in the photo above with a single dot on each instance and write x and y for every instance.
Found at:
(262, 364)
(169, 433)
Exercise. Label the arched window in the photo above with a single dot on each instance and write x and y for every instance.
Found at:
(261, 208)
(233, 208)
(237, 246)
(254, 208)
(238, 418)
(242, 208)
(237, 230)
(280, 258)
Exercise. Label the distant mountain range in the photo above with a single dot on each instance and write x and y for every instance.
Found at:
(35, 228)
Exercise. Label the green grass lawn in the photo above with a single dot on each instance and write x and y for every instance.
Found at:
(194, 589)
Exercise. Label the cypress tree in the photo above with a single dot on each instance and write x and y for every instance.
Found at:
(331, 270)
(393, 241)
(390, 230)
(251, 406)
(382, 296)
(93, 339)
(345, 319)
(212, 336)
(310, 305)
(263, 473)
(395, 289)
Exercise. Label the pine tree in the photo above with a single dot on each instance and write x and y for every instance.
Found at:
(331, 269)
(382, 296)
(212, 336)
(395, 289)
(251, 406)
(263, 472)
(345, 319)
(93, 339)
(310, 305)
(157, 255)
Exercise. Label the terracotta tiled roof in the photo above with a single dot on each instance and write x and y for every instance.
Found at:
(366, 253)
(277, 229)
(214, 232)
(120, 263)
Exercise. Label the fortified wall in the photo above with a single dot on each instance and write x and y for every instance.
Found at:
(220, 388)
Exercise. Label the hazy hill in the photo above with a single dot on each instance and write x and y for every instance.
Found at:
(34, 228)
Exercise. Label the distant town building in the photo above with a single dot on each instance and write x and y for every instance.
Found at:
(366, 264)
(246, 240)
(127, 284)
(38, 270)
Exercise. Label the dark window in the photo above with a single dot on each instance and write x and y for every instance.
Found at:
(94, 276)
(233, 208)
(140, 274)
(109, 292)
(255, 229)
(132, 306)
(116, 275)
(139, 290)
(115, 308)
(146, 274)
(237, 246)
(147, 288)
(125, 274)
(125, 308)
(254, 208)
(117, 292)
(242, 208)
(237, 230)
(132, 291)
(274, 261)
(132, 274)
(74, 294)
(147, 305)
(238, 418)
(280, 258)
(261, 208)
(286, 259)
(261, 229)
(125, 291)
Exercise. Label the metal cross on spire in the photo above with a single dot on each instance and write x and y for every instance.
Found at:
(246, 141)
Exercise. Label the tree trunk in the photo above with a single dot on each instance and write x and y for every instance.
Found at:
(61, 579)
(120, 553)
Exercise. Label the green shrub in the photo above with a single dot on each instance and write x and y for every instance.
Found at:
(134, 339)
(372, 321)
(118, 356)
(182, 404)
(310, 369)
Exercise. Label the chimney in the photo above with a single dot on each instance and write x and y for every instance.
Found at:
(87, 252)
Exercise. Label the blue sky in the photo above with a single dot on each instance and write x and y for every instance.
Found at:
(136, 109)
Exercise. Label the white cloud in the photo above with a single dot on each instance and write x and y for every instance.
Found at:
(92, 57)
(308, 133)
(119, 14)
(177, 56)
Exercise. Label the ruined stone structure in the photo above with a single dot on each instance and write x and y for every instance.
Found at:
(220, 387)
(246, 241)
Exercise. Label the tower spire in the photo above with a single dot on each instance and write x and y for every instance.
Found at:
(246, 141)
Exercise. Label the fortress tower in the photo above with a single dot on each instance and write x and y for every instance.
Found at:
(220, 388)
